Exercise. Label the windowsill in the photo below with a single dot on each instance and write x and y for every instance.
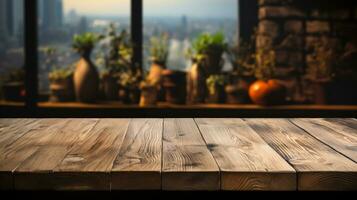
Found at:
(118, 105)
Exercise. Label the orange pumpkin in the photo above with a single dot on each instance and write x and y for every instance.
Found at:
(271, 92)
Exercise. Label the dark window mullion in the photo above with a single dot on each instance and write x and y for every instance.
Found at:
(137, 32)
(31, 56)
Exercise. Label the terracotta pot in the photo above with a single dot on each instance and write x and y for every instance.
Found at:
(271, 92)
(148, 95)
(86, 80)
(14, 91)
(174, 83)
(62, 90)
(196, 84)
(110, 88)
(155, 77)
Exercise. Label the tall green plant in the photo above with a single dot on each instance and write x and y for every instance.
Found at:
(159, 48)
(84, 43)
(207, 44)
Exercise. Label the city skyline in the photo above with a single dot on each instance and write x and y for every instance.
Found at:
(155, 8)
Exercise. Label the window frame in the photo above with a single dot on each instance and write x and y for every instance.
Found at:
(32, 109)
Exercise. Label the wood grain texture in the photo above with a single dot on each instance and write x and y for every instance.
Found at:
(314, 161)
(245, 160)
(13, 154)
(138, 164)
(90, 161)
(187, 162)
(334, 133)
(51, 154)
(13, 129)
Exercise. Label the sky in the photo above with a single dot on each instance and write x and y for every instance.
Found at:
(170, 8)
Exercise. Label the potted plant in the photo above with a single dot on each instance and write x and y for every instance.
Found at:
(14, 86)
(114, 63)
(215, 85)
(61, 85)
(206, 54)
(266, 90)
(242, 76)
(159, 51)
(86, 78)
(158, 56)
(129, 83)
(208, 48)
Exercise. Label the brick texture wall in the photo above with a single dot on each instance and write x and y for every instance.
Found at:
(291, 27)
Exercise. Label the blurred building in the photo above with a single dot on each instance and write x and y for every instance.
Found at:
(50, 13)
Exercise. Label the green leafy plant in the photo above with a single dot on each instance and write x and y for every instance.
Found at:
(120, 51)
(159, 48)
(208, 44)
(213, 81)
(84, 43)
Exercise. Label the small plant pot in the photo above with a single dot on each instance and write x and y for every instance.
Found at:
(174, 83)
(148, 95)
(62, 90)
(14, 91)
(110, 88)
(130, 95)
(196, 84)
(218, 96)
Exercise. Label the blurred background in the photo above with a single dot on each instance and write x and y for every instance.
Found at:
(203, 52)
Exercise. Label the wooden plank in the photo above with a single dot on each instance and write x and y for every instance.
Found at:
(87, 165)
(13, 129)
(334, 133)
(138, 164)
(246, 162)
(11, 156)
(187, 162)
(318, 166)
(46, 158)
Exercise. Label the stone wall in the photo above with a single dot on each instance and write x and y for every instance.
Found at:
(292, 27)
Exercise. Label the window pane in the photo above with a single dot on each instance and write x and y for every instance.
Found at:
(12, 50)
(184, 20)
(60, 20)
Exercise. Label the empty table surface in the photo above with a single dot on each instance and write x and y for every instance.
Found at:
(178, 154)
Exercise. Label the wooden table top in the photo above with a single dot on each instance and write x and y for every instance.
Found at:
(178, 154)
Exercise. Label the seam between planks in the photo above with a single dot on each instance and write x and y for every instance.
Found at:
(121, 146)
(287, 161)
(219, 168)
(337, 151)
(162, 151)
